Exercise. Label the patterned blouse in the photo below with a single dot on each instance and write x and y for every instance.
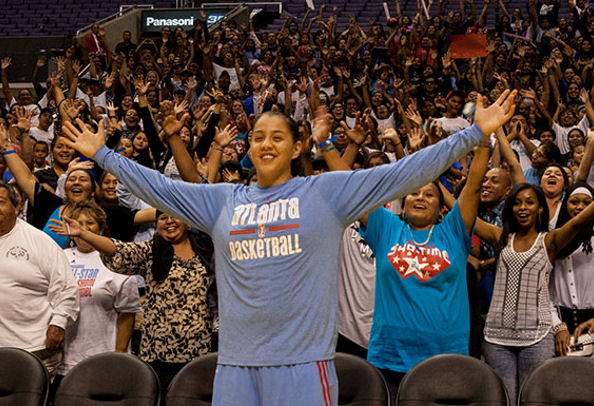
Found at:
(177, 319)
(520, 312)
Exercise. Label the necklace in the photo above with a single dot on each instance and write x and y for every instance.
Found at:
(420, 244)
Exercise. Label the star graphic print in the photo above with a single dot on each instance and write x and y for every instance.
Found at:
(423, 262)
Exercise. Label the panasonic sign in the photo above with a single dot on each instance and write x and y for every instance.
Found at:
(155, 20)
(162, 22)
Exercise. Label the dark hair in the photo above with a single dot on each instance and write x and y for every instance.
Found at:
(552, 152)
(41, 143)
(441, 201)
(293, 126)
(579, 131)
(582, 238)
(13, 194)
(93, 183)
(510, 224)
(563, 173)
(376, 154)
(45, 110)
(542, 130)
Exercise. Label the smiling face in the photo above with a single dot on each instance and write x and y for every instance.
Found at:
(108, 187)
(577, 203)
(495, 187)
(422, 207)
(171, 229)
(526, 209)
(78, 186)
(552, 182)
(272, 149)
(575, 138)
(62, 153)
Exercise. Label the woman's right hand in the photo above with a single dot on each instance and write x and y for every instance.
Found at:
(585, 327)
(84, 140)
(68, 227)
(76, 164)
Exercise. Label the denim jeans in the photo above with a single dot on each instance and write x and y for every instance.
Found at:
(514, 364)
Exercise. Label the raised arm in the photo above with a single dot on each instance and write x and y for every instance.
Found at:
(586, 164)
(198, 205)
(516, 173)
(470, 196)
(557, 239)
(361, 191)
(4, 64)
(17, 166)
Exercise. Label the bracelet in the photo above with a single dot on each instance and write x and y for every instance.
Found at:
(559, 328)
(216, 148)
(327, 142)
(11, 151)
(330, 148)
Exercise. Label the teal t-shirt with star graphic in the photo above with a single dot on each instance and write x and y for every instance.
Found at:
(421, 298)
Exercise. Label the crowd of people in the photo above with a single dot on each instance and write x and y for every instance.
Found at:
(254, 193)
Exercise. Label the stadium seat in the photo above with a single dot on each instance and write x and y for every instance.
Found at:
(560, 381)
(451, 379)
(24, 380)
(108, 379)
(359, 382)
(193, 384)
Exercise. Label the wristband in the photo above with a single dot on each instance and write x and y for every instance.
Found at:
(559, 328)
(327, 142)
(216, 148)
(330, 148)
(11, 151)
(120, 150)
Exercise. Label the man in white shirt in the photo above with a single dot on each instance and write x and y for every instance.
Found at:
(452, 122)
(44, 131)
(38, 294)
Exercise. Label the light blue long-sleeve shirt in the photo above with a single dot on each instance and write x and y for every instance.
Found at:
(276, 248)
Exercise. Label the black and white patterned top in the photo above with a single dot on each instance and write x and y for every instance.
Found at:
(520, 312)
(177, 320)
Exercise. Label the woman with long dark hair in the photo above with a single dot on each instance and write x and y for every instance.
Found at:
(519, 325)
(572, 284)
(176, 266)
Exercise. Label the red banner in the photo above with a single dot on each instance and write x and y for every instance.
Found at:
(468, 46)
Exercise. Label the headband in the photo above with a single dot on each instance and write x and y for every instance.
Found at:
(581, 191)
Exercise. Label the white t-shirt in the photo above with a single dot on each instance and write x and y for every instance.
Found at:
(43, 136)
(36, 287)
(103, 294)
(453, 125)
(100, 100)
(561, 133)
(525, 160)
(356, 287)
(218, 69)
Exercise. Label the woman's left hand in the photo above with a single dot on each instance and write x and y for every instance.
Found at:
(562, 342)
